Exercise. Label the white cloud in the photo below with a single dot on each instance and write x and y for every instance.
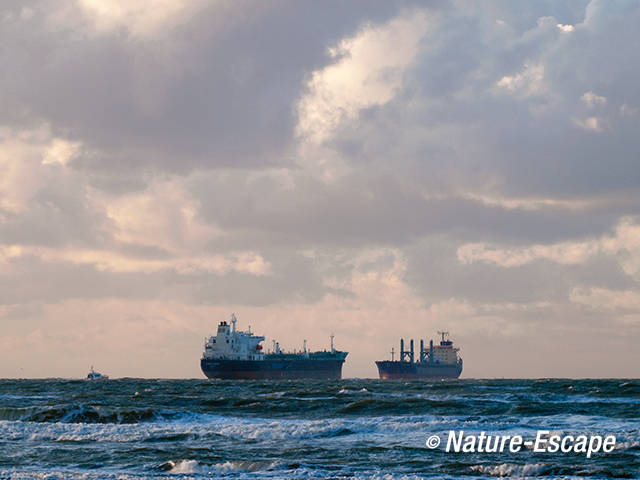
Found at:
(60, 152)
(592, 124)
(23, 152)
(567, 253)
(607, 299)
(163, 216)
(140, 17)
(367, 71)
(527, 204)
(7, 253)
(529, 81)
(624, 245)
(590, 99)
(113, 261)
(566, 28)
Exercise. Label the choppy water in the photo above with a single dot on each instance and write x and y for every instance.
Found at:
(134, 429)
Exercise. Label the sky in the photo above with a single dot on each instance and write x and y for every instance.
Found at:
(372, 169)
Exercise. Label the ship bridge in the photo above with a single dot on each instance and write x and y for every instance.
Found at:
(232, 344)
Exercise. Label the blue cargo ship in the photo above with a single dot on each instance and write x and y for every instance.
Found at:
(439, 361)
(237, 355)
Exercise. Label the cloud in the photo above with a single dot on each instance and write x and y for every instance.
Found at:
(566, 253)
(624, 245)
(61, 151)
(566, 28)
(367, 72)
(593, 124)
(42, 276)
(141, 18)
(590, 99)
(120, 262)
(527, 82)
(321, 166)
(626, 110)
(607, 299)
(210, 84)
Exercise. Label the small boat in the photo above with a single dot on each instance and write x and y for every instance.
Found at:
(93, 375)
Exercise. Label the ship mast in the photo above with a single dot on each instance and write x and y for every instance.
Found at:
(333, 350)
(443, 334)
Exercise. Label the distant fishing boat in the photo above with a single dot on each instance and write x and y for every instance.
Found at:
(93, 375)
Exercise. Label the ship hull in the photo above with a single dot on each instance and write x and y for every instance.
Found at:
(413, 371)
(274, 369)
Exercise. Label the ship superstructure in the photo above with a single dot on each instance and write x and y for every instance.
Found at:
(93, 375)
(231, 344)
(234, 354)
(438, 361)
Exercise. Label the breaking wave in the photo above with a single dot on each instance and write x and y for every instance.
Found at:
(82, 414)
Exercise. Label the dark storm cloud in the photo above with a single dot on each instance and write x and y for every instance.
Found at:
(209, 102)
(453, 123)
(57, 215)
(374, 208)
(216, 89)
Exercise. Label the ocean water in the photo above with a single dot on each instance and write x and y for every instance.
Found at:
(138, 429)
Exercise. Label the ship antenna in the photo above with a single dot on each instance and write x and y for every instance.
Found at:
(233, 322)
(333, 350)
(305, 346)
(443, 334)
(393, 352)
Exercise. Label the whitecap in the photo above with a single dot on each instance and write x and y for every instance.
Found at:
(183, 466)
(510, 470)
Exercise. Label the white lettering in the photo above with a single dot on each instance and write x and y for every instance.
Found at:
(544, 443)
(537, 447)
(594, 448)
(457, 443)
(609, 444)
(581, 444)
(554, 444)
(516, 444)
(565, 447)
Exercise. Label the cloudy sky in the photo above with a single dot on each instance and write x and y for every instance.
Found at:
(374, 169)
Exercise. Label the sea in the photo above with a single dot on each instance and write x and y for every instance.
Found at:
(347, 429)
